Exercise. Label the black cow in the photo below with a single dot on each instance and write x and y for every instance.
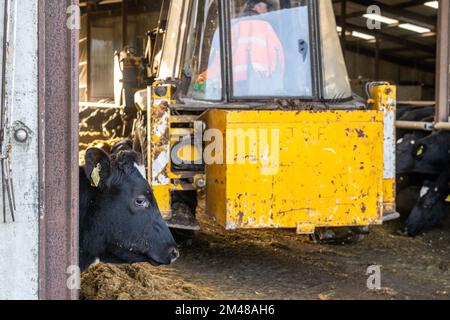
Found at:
(406, 147)
(427, 155)
(119, 219)
(412, 113)
(416, 114)
(406, 199)
(432, 153)
(422, 172)
(422, 180)
(431, 207)
(403, 109)
(125, 145)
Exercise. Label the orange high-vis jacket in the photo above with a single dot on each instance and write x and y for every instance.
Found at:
(255, 45)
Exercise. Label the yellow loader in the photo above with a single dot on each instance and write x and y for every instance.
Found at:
(251, 102)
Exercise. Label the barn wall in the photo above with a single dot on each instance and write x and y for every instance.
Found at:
(363, 66)
(19, 240)
(106, 38)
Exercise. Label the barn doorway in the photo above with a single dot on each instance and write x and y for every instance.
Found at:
(106, 27)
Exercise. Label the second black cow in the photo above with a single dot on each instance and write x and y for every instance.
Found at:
(423, 160)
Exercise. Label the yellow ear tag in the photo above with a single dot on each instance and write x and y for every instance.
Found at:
(420, 151)
(447, 199)
(95, 175)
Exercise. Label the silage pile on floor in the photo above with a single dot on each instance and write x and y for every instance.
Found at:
(136, 282)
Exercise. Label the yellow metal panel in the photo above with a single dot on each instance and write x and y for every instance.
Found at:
(305, 228)
(162, 195)
(216, 192)
(384, 98)
(389, 196)
(158, 137)
(329, 174)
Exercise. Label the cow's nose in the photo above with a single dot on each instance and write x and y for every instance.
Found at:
(174, 255)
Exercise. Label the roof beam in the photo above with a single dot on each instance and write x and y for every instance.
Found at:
(397, 11)
(410, 4)
(135, 6)
(399, 40)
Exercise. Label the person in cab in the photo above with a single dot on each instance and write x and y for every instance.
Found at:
(257, 52)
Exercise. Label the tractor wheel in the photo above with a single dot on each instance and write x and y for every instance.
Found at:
(188, 198)
(183, 238)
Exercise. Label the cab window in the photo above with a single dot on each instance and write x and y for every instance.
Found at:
(270, 49)
(202, 66)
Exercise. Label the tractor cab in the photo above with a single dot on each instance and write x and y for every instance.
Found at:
(241, 51)
(252, 104)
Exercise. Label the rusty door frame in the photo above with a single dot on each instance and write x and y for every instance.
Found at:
(58, 149)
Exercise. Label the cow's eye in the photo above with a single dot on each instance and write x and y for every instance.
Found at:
(141, 202)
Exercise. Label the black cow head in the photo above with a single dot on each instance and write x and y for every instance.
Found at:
(406, 151)
(432, 153)
(123, 223)
(430, 208)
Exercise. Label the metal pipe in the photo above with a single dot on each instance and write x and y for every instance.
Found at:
(442, 126)
(344, 26)
(424, 126)
(418, 103)
(377, 59)
(3, 103)
(442, 65)
(124, 23)
(414, 125)
(9, 189)
(3, 191)
(5, 147)
(88, 50)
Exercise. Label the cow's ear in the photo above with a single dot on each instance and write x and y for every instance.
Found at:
(97, 167)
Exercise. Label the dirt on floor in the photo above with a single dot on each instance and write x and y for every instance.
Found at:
(278, 264)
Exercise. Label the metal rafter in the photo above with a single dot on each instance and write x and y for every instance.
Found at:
(407, 43)
(396, 10)
(398, 40)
